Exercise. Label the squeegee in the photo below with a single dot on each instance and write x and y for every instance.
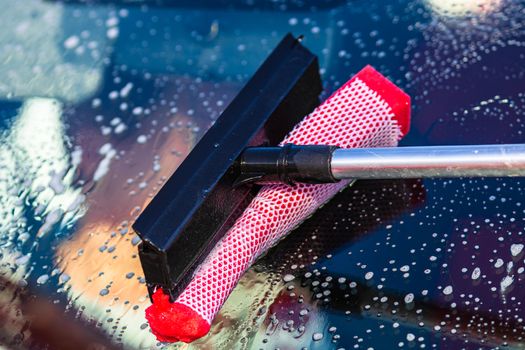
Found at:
(262, 169)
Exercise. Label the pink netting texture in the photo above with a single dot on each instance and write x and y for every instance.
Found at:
(354, 116)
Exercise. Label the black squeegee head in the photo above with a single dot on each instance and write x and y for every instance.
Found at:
(199, 202)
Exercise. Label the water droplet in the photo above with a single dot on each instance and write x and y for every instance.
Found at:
(447, 290)
(317, 336)
(288, 278)
(42, 279)
(516, 249)
(476, 273)
(409, 298)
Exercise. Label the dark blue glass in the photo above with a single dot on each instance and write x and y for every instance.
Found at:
(101, 100)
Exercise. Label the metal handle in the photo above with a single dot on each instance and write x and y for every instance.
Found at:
(432, 161)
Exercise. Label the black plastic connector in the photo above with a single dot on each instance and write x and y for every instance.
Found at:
(287, 164)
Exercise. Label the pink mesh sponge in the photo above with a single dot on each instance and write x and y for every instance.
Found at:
(367, 111)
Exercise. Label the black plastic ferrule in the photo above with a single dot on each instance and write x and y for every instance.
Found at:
(287, 164)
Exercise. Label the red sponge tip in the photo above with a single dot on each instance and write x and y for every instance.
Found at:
(396, 98)
(171, 322)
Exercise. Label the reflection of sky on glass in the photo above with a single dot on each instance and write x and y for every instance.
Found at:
(100, 103)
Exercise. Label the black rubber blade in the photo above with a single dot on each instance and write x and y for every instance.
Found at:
(199, 202)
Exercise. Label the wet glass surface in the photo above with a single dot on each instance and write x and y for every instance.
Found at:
(100, 102)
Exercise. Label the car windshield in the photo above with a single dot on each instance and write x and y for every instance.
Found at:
(100, 101)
